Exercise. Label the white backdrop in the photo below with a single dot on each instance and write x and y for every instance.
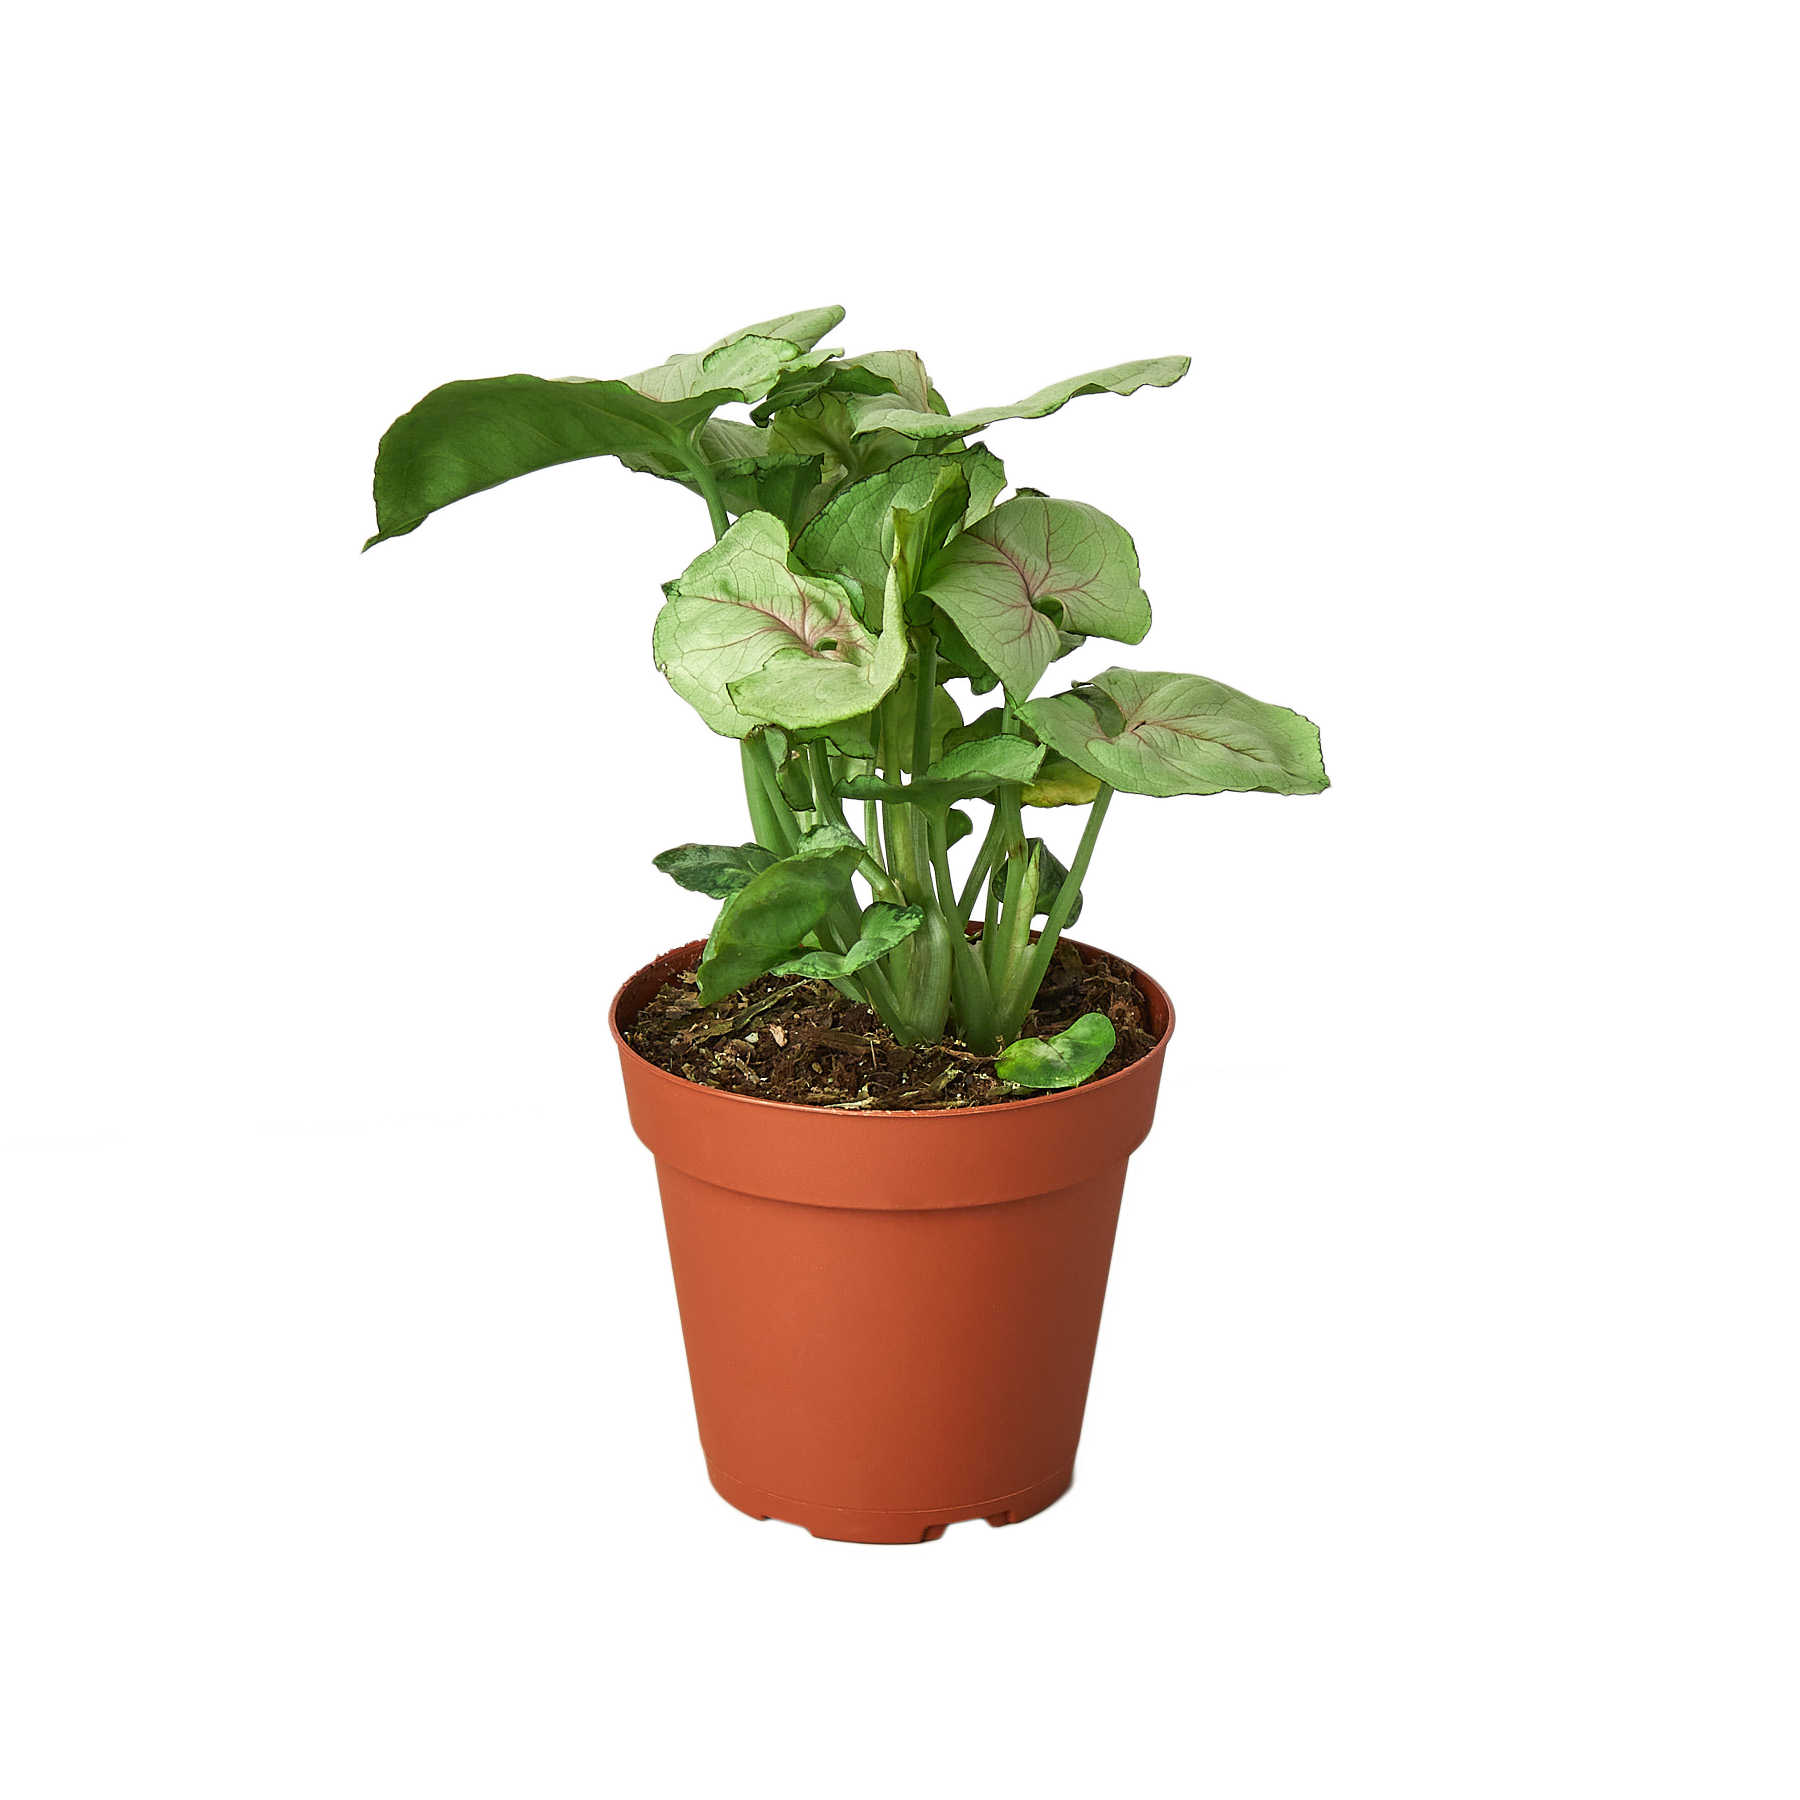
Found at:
(297, 836)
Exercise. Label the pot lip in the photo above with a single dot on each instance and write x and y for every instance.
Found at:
(1151, 1056)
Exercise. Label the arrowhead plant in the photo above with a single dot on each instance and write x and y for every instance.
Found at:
(863, 559)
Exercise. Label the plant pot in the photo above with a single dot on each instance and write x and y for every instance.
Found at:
(890, 1317)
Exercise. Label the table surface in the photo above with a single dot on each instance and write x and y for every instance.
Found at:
(459, 1334)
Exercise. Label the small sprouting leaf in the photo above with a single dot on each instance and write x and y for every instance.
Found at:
(1063, 1061)
(767, 919)
(1180, 734)
(746, 638)
(715, 869)
(1033, 570)
(958, 825)
(1051, 876)
(882, 414)
(795, 782)
(883, 926)
(1059, 782)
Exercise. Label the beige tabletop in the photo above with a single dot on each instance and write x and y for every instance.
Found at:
(459, 1334)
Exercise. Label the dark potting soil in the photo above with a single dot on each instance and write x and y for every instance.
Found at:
(803, 1042)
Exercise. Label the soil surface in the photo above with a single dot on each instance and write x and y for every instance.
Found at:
(803, 1042)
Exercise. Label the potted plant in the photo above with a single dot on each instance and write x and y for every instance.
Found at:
(891, 1122)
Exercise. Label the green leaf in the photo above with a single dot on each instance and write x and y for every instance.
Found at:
(795, 782)
(1181, 734)
(827, 840)
(881, 414)
(766, 920)
(965, 773)
(839, 680)
(786, 486)
(1063, 1061)
(991, 724)
(958, 825)
(852, 533)
(750, 359)
(746, 638)
(848, 737)
(827, 424)
(1059, 782)
(957, 658)
(468, 436)
(1051, 876)
(715, 869)
(912, 390)
(797, 386)
(1032, 570)
(883, 926)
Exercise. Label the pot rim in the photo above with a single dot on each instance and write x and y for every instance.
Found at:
(1147, 984)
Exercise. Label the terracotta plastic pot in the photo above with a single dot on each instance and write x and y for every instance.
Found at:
(890, 1317)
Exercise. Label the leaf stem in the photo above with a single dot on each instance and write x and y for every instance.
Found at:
(1017, 999)
(704, 480)
(969, 986)
(765, 821)
(984, 860)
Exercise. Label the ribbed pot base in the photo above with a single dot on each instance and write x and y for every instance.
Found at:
(851, 1525)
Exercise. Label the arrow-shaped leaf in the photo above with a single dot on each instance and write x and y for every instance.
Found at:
(1063, 1061)
(715, 869)
(1051, 876)
(773, 912)
(745, 638)
(1181, 734)
(1034, 570)
(883, 926)
(765, 920)
(880, 413)
(1059, 782)
(467, 436)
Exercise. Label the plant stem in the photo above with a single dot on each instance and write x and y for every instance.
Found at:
(1016, 1000)
(969, 987)
(984, 858)
(1003, 899)
(924, 704)
(787, 827)
(709, 488)
(818, 762)
(765, 821)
